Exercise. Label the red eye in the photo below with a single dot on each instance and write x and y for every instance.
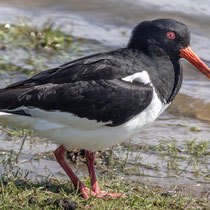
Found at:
(170, 35)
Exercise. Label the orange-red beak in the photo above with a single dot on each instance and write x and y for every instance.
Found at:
(189, 55)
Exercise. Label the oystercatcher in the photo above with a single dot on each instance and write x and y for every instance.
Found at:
(100, 100)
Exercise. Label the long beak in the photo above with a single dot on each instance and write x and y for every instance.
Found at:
(189, 55)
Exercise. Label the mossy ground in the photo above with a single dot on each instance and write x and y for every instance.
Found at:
(25, 49)
(21, 193)
(24, 194)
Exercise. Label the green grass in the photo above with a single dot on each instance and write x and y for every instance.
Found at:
(30, 37)
(21, 193)
(28, 49)
(18, 191)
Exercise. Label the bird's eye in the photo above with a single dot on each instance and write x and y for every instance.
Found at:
(170, 35)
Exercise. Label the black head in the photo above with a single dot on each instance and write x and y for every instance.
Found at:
(166, 37)
(161, 36)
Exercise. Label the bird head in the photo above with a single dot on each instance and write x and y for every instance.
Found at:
(166, 37)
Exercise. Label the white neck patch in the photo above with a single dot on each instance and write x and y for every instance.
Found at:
(141, 77)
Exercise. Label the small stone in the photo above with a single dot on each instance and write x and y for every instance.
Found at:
(7, 25)
(167, 194)
(48, 201)
(57, 45)
(195, 129)
(2, 47)
(32, 200)
(66, 204)
(33, 34)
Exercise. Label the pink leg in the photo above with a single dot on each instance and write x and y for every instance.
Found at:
(90, 158)
(59, 154)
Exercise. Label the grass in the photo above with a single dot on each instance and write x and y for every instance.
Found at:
(30, 37)
(27, 49)
(18, 191)
(21, 193)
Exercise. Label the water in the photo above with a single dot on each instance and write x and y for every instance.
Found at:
(108, 24)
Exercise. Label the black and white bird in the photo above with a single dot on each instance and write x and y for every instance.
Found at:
(103, 99)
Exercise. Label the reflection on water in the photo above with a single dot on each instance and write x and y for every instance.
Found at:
(108, 23)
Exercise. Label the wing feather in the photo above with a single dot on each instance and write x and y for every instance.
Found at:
(114, 101)
(91, 87)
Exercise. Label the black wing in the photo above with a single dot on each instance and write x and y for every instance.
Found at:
(114, 101)
(90, 87)
(109, 65)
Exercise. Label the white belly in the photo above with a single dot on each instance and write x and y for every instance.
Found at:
(81, 133)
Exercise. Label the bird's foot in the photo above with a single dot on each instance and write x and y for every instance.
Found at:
(87, 193)
(104, 194)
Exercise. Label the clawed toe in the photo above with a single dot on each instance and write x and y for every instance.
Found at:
(112, 195)
(87, 193)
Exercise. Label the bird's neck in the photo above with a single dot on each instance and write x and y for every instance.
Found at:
(169, 79)
(165, 73)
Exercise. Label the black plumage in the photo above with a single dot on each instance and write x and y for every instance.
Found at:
(92, 87)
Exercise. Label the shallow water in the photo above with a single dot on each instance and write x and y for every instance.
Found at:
(108, 24)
